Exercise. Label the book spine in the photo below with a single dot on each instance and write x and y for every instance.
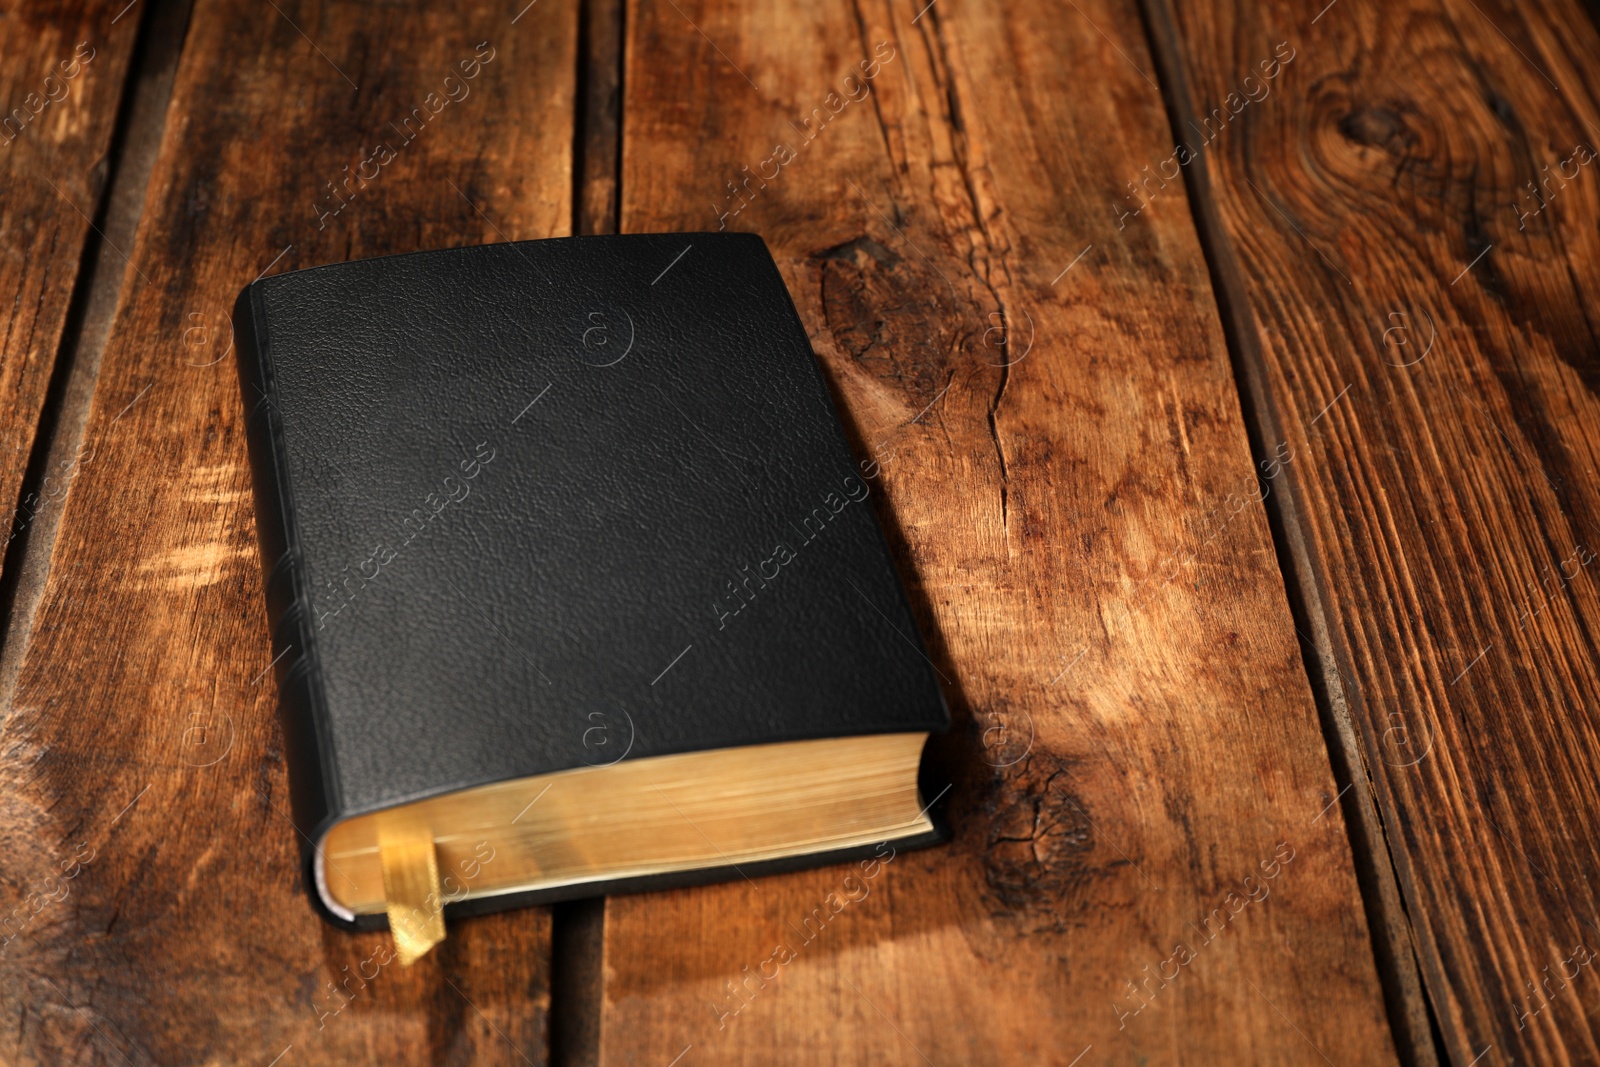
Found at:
(313, 782)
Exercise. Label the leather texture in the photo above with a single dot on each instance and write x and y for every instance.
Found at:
(536, 506)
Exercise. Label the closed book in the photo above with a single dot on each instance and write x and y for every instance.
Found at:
(574, 584)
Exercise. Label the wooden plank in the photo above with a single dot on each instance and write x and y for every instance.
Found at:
(148, 856)
(1046, 402)
(66, 410)
(62, 74)
(1418, 323)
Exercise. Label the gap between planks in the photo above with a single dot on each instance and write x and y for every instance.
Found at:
(577, 928)
(1410, 1016)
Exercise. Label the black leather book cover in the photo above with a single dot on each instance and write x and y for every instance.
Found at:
(538, 506)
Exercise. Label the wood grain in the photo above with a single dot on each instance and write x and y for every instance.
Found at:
(1417, 320)
(62, 74)
(150, 868)
(1045, 400)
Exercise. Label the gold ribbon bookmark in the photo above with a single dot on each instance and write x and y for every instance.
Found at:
(411, 885)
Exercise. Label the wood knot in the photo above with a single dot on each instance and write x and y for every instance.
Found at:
(894, 315)
(1377, 127)
(1038, 840)
(1370, 125)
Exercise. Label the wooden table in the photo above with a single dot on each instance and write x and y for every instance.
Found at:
(1232, 372)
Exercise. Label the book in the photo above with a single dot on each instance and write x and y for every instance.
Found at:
(574, 584)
